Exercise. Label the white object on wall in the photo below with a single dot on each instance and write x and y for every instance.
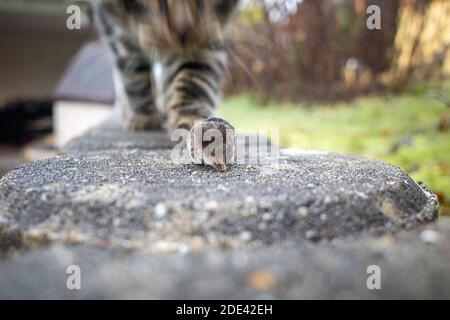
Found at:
(72, 119)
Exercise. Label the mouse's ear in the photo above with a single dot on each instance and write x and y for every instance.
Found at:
(225, 9)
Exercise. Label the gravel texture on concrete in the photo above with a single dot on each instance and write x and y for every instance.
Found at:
(138, 198)
(413, 265)
(306, 226)
(111, 135)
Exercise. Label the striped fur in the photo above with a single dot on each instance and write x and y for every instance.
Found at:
(186, 38)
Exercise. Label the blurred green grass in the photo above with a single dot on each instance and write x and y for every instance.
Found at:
(370, 127)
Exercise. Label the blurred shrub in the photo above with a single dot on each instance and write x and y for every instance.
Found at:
(422, 44)
(321, 49)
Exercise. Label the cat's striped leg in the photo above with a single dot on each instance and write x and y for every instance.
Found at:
(134, 70)
(140, 113)
(192, 89)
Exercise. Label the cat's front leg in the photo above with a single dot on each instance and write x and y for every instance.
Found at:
(134, 85)
(139, 110)
(192, 89)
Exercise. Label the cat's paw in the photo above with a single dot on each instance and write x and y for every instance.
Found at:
(212, 142)
(143, 123)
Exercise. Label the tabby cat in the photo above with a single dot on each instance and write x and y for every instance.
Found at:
(186, 38)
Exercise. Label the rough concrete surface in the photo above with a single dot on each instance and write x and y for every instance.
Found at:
(413, 265)
(141, 226)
